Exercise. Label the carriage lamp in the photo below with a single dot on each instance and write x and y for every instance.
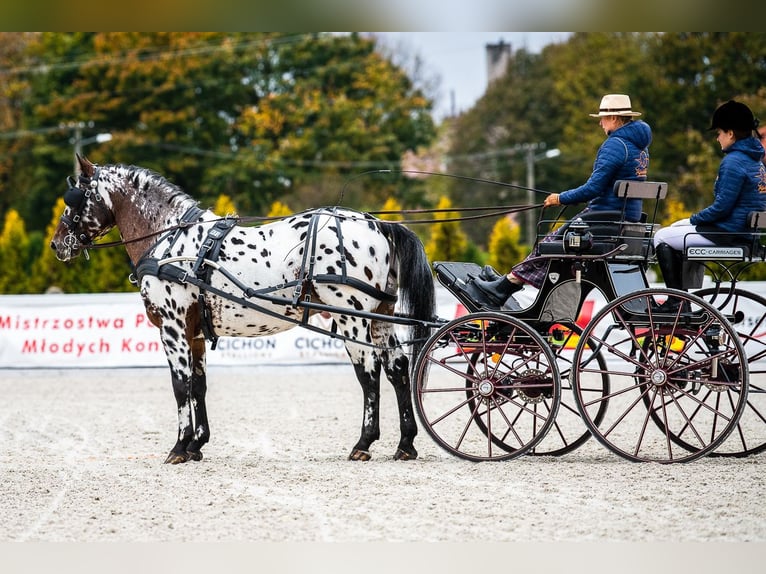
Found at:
(578, 237)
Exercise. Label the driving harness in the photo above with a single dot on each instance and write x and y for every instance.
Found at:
(206, 262)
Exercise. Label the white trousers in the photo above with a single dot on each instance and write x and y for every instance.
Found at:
(681, 234)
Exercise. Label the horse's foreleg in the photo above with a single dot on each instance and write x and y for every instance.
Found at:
(369, 379)
(179, 355)
(199, 408)
(181, 390)
(397, 371)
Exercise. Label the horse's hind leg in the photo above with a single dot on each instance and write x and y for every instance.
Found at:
(396, 365)
(367, 369)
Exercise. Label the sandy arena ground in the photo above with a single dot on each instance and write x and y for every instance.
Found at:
(82, 452)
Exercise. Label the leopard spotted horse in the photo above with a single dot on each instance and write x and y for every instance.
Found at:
(201, 276)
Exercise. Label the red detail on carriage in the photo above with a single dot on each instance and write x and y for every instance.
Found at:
(586, 313)
(460, 310)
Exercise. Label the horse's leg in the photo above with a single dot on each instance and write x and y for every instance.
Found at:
(397, 368)
(199, 408)
(367, 369)
(179, 355)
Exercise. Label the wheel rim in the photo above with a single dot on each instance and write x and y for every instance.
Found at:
(749, 312)
(677, 386)
(486, 387)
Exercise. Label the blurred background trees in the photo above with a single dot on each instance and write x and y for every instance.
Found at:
(256, 122)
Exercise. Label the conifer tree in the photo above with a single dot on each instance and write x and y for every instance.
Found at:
(504, 245)
(279, 209)
(448, 242)
(224, 206)
(14, 251)
(394, 207)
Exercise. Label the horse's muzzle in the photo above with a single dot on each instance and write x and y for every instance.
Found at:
(65, 249)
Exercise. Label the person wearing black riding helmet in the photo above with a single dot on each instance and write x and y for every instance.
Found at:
(739, 188)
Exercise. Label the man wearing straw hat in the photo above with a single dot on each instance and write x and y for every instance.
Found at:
(624, 154)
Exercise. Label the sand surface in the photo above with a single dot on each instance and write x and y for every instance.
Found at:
(82, 454)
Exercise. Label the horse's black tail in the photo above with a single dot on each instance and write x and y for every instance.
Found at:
(417, 296)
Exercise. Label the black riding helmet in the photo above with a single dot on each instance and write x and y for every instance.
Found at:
(734, 116)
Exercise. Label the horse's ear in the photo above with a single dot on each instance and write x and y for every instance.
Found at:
(86, 168)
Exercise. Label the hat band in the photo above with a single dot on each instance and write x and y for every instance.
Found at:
(614, 110)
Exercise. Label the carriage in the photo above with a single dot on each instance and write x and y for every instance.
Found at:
(650, 386)
(493, 384)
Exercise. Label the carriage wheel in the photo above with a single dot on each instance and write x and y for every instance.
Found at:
(748, 316)
(486, 387)
(678, 382)
(568, 431)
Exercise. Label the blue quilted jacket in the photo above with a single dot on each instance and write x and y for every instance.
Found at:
(739, 188)
(623, 155)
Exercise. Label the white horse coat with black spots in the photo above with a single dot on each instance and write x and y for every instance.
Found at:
(296, 259)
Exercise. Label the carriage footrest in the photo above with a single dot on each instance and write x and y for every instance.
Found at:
(458, 276)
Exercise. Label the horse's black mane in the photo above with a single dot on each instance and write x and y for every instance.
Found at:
(151, 179)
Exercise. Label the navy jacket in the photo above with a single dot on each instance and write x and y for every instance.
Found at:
(623, 155)
(739, 188)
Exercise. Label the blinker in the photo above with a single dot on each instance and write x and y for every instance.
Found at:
(74, 196)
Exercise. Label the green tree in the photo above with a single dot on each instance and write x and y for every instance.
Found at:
(14, 253)
(224, 206)
(505, 249)
(392, 210)
(14, 140)
(257, 116)
(279, 209)
(335, 105)
(447, 242)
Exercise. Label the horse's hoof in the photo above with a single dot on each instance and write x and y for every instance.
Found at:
(177, 458)
(195, 455)
(404, 455)
(357, 454)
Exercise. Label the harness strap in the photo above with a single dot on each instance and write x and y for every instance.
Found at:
(341, 249)
(309, 255)
(209, 251)
(190, 216)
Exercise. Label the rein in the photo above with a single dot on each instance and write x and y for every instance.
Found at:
(490, 212)
(76, 198)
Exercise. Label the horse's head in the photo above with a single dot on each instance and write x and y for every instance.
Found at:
(87, 215)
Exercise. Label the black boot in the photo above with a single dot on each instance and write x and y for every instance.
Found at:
(489, 273)
(497, 290)
(671, 265)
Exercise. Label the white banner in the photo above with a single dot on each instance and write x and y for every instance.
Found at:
(112, 330)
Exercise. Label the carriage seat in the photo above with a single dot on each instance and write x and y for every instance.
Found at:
(735, 247)
(610, 229)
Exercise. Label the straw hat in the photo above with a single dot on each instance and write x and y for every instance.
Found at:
(615, 105)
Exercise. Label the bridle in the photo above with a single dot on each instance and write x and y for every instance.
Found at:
(76, 199)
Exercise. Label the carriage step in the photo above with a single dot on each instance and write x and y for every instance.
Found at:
(458, 277)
